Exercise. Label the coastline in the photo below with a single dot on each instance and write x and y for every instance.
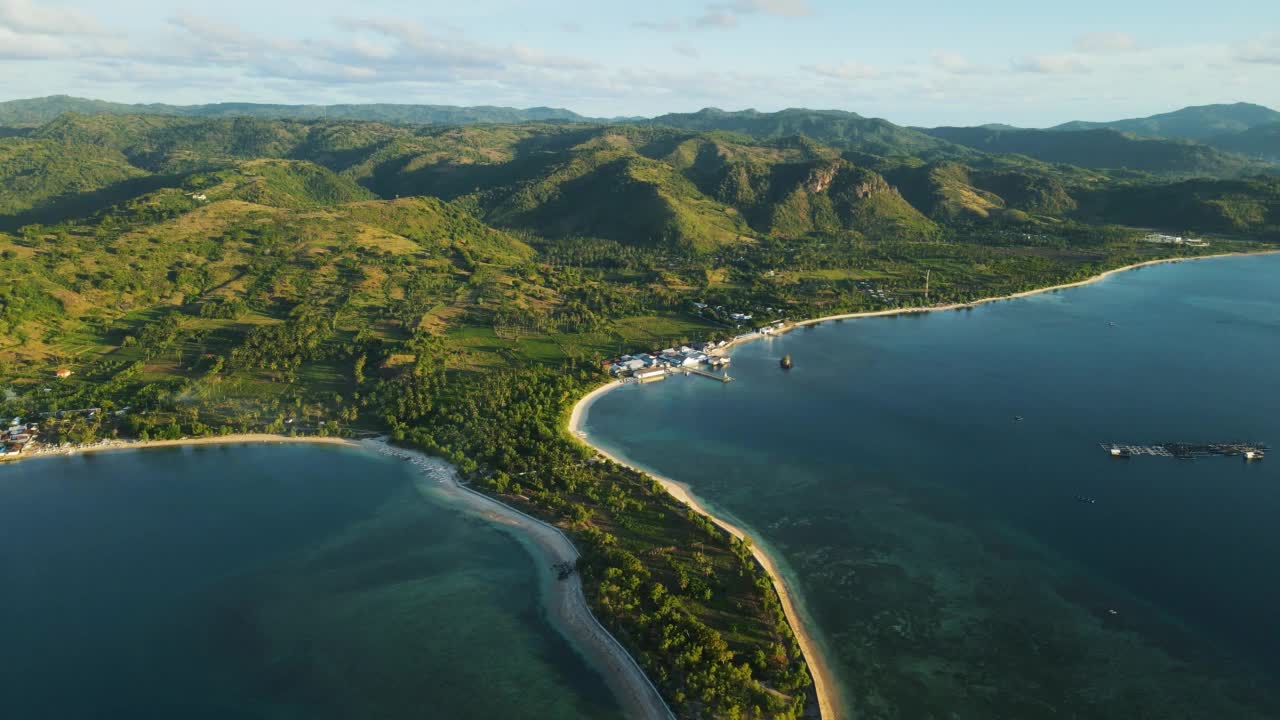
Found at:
(45, 451)
(823, 682)
(819, 669)
(565, 603)
(984, 301)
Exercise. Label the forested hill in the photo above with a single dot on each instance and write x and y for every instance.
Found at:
(1191, 123)
(1107, 149)
(37, 111)
(832, 127)
(1262, 142)
(643, 185)
(1225, 147)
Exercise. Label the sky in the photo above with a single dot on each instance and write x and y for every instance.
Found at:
(920, 63)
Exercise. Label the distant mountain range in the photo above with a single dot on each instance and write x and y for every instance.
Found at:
(641, 183)
(1204, 122)
(37, 111)
(1244, 128)
(1222, 141)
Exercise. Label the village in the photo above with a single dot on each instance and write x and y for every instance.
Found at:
(16, 438)
(698, 358)
(1162, 239)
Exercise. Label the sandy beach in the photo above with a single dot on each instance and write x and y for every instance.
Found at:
(983, 301)
(824, 684)
(107, 445)
(566, 603)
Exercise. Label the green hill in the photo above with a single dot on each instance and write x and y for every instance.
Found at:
(645, 185)
(38, 174)
(1261, 142)
(1104, 149)
(845, 130)
(1190, 123)
(1248, 206)
(279, 183)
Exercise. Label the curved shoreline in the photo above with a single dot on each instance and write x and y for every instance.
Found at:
(44, 451)
(566, 602)
(819, 669)
(1014, 296)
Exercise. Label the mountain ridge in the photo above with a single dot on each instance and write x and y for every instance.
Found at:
(1196, 122)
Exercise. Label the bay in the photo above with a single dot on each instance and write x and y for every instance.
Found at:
(946, 552)
(267, 582)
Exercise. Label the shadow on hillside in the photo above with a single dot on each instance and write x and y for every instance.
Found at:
(71, 206)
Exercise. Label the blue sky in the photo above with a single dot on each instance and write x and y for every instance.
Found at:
(919, 63)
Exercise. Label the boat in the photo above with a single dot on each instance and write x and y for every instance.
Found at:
(1017, 418)
(1120, 452)
(1086, 500)
(786, 362)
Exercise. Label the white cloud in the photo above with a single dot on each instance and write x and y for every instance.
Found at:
(724, 15)
(668, 25)
(24, 46)
(1261, 50)
(717, 19)
(686, 50)
(1105, 42)
(956, 64)
(845, 71)
(1050, 64)
(780, 8)
(23, 17)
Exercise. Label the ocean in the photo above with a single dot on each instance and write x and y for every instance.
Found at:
(267, 582)
(962, 547)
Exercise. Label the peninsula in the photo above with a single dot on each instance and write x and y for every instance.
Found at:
(460, 289)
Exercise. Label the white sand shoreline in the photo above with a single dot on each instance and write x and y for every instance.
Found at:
(45, 451)
(998, 298)
(566, 602)
(824, 685)
(819, 670)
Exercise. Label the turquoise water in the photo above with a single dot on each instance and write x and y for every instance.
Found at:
(267, 582)
(937, 542)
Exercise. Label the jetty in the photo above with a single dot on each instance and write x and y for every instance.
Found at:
(698, 371)
(1189, 451)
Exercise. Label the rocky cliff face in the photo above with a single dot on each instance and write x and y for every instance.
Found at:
(821, 177)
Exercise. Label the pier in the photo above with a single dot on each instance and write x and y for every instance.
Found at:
(697, 371)
(1189, 451)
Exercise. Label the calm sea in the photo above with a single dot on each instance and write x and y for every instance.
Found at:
(964, 549)
(281, 582)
